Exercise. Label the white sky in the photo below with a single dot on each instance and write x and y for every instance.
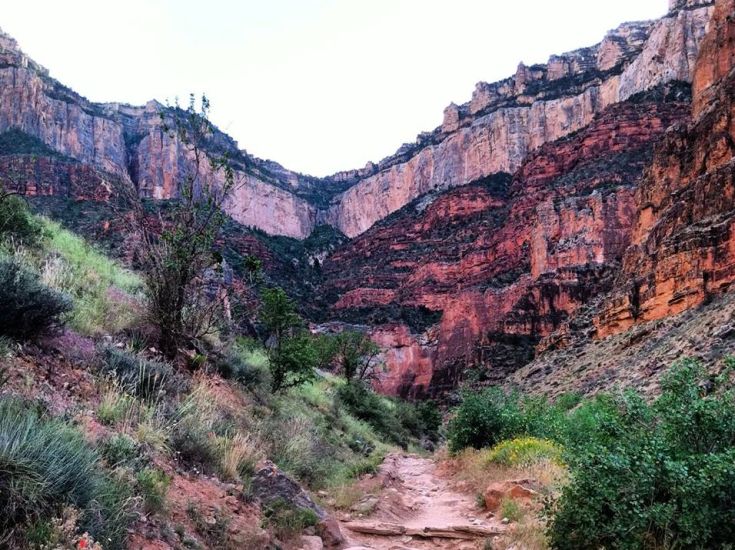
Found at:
(317, 85)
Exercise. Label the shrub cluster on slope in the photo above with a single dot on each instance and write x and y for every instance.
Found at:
(642, 475)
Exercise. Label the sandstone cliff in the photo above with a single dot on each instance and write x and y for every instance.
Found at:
(507, 120)
(683, 241)
(505, 261)
(128, 143)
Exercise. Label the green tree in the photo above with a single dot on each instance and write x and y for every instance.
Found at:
(177, 248)
(291, 351)
(253, 267)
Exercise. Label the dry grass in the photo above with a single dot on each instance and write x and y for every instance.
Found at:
(528, 534)
(347, 495)
(474, 470)
(240, 454)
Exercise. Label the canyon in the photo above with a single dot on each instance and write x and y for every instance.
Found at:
(564, 207)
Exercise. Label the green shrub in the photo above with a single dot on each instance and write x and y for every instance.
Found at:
(288, 521)
(119, 449)
(27, 307)
(17, 223)
(45, 464)
(484, 419)
(153, 485)
(246, 364)
(525, 451)
(511, 509)
(651, 476)
(139, 376)
(366, 405)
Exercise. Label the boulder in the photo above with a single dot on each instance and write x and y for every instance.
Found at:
(499, 490)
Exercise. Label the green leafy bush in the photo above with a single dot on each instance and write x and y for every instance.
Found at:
(28, 308)
(398, 421)
(484, 419)
(17, 223)
(652, 476)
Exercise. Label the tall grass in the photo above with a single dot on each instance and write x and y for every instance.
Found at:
(105, 294)
(46, 464)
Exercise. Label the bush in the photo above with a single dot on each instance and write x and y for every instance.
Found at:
(17, 223)
(484, 419)
(153, 485)
(398, 421)
(525, 451)
(651, 476)
(119, 449)
(288, 521)
(44, 465)
(246, 364)
(27, 307)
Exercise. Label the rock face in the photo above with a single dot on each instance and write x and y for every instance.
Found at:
(683, 243)
(507, 120)
(492, 133)
(129, 143)
(506, 261)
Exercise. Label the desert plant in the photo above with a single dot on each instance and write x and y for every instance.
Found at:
(28, 308)
(178, 260)
(153, 485)
(139, 376)
(118, 448)
(286, 520)
(46, 464)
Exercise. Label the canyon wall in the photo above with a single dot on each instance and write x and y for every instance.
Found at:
(683, 242)
(494, 132)
(129, 143)
(504, 261)
(507, 120)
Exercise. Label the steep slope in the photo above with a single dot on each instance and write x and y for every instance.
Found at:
(507, 120)
(504, 262)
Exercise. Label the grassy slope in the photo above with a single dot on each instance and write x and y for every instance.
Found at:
(152, 443)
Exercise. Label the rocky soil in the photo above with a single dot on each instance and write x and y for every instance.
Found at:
(418, 508)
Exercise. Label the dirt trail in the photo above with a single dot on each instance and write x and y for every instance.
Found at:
(418, 509)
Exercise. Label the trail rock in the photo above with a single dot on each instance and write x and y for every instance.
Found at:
(497, 491)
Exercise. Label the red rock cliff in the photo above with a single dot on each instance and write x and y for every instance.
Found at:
(506, 262)
(683, 243)
(507, 120)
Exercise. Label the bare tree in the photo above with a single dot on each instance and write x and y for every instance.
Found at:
(180, 266)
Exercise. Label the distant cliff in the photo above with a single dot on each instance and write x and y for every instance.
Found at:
(494, 132)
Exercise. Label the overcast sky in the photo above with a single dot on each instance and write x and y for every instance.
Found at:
(317, 85)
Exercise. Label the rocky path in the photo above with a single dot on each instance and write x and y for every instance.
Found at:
(417, 509)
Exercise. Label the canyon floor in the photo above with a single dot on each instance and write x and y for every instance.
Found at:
(419, 507)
